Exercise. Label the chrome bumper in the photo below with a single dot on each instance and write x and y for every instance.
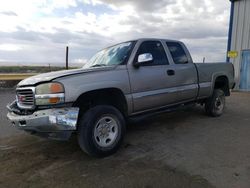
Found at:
(49, 120)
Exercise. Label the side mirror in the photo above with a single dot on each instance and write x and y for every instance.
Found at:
(144, 59)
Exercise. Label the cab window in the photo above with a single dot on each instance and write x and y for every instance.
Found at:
(157, 51)
(178, 54)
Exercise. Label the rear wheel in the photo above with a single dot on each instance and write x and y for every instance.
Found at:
(216, 103)
(101, 130)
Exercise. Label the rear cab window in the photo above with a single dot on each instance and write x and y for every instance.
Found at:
(177, 52)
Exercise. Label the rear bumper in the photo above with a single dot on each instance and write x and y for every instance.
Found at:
(57, 123)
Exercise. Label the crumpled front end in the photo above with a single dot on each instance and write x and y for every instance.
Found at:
(55, 123)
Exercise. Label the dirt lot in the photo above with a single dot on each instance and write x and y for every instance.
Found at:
(178, 149)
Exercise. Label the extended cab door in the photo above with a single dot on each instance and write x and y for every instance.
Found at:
(152, 85)
(186, 77)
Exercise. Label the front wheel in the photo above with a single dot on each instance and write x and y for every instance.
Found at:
(216, 103)
(101, 130)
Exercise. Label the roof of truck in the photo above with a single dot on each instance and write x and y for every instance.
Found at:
(172, 40)
(142, 39)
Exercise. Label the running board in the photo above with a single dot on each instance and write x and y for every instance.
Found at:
(161, 110)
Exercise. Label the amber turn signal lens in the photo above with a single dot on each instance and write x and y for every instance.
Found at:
(54, 100)
(56, 88)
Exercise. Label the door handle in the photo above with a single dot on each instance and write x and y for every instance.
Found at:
(170, 72)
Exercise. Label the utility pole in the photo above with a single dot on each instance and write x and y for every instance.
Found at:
(204, 59)
(67, 57)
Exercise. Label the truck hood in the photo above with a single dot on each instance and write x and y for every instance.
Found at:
(45, 77)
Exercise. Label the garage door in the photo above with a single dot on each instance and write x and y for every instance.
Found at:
(245, 71)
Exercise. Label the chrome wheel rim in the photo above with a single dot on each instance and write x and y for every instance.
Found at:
(106, 131)
(219, 103)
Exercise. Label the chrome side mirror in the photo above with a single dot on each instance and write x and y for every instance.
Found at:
(144, 59)
(147, 57)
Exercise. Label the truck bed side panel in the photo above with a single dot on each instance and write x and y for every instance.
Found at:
(208, 72)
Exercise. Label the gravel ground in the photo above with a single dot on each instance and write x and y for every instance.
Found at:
(6, 96)
(178, 149)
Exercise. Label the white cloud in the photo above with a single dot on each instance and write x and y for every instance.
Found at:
(45, 27)
(91, 2)
(56, 4)
(192, 21)
(10, 47)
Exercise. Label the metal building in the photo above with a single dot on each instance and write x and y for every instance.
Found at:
(239, 42)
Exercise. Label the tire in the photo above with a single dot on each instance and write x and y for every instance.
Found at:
(101, 130)
(216, 103)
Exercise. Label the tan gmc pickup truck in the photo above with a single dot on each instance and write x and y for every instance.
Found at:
(127, 80)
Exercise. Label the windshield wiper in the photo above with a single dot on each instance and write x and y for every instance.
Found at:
(98, 65)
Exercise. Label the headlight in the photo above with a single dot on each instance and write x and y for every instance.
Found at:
(49, 93)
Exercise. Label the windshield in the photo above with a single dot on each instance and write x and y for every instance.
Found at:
(114, 55)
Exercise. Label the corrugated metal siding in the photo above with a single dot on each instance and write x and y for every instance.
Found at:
(240, 33)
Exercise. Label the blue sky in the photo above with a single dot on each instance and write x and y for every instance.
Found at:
(37, 31)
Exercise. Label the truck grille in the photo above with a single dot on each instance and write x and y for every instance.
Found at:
(25, 98)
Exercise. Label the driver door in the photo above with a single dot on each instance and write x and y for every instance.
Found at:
(152, 83)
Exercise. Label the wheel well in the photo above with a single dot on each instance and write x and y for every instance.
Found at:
(221, 82)
(108, 96)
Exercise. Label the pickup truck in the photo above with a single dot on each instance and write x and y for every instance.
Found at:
(124, 81)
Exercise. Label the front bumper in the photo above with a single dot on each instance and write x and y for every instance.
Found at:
(57, 123)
